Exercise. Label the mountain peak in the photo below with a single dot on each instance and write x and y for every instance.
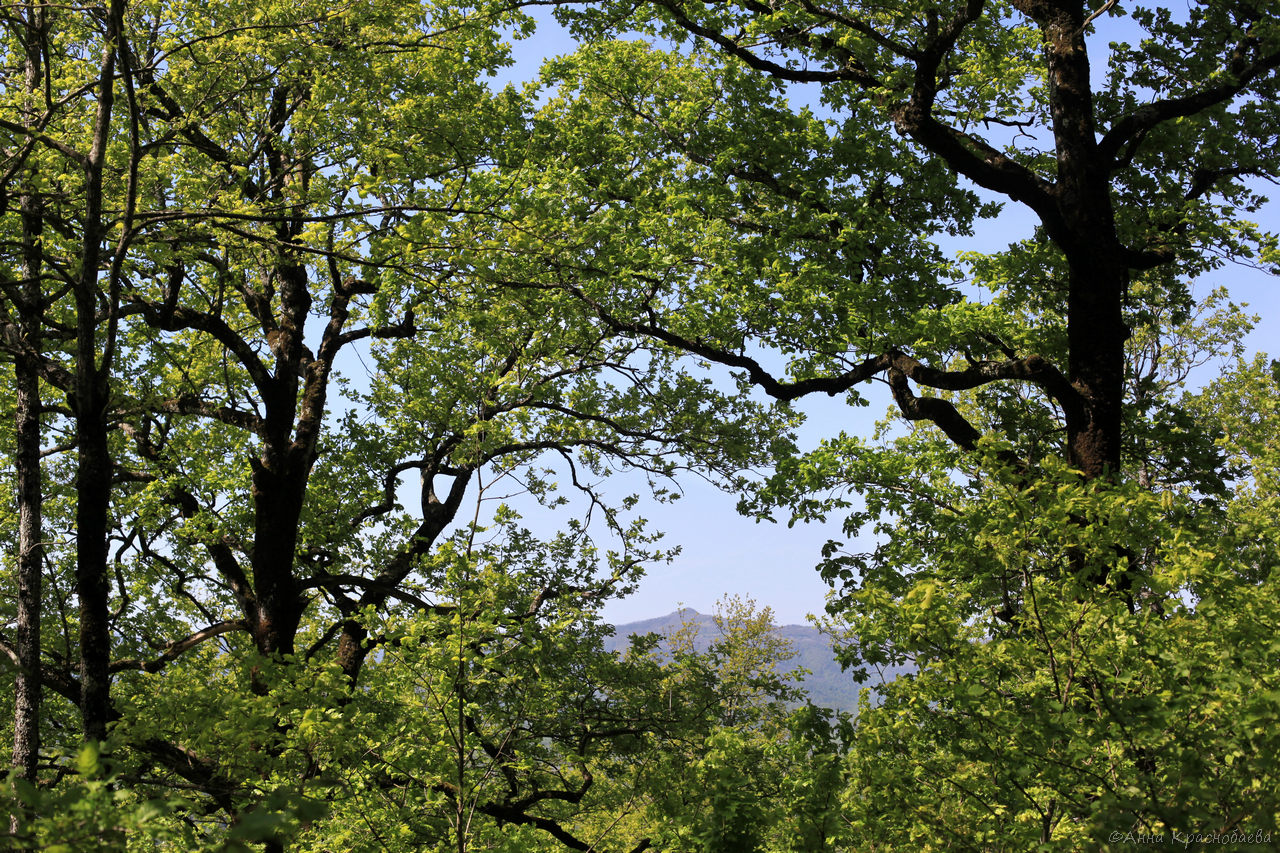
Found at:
(826, 682)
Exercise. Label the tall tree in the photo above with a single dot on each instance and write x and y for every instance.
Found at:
(1133, 165)
(1087, 720)
(225, 225)
(91, 389)
(1036, 527)
(694, 205)
(27, 431)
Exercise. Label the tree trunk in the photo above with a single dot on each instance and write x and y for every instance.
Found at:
(89, 402)
(1096, 336)
(1085, 230)
(277, 492)
(93, 496)
(283, 469)
(28, 687)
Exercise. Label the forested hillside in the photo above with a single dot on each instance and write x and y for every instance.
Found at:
(300, 309)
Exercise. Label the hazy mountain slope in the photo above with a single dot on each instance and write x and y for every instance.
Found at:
(826, 683)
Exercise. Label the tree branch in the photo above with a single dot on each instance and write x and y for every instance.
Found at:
(939, 412)
(852, 70)
(189, 404)
(179, 647)
(1130, 129)
(176, 318)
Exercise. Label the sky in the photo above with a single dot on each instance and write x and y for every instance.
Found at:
(723, 553)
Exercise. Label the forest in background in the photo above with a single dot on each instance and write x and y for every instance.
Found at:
(292, 293)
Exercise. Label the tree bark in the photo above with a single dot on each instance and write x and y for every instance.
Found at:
(283, 469)
(89, 403)
(1085, 230)
(278, 489)
(28, 688)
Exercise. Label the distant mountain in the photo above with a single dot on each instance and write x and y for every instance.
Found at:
(827, 684)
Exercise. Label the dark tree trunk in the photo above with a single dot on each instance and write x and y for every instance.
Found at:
(93, 496)
(89, 402)
(1096, 335)
(28, 687)
(1085, 230)
(278, 490)
(283, 469)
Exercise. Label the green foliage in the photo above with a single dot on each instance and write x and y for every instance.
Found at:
(1084, 715)
(326, 260)
(1047, 711)
(751, 770)
(1066, 618)
(93, 809)
(288, 330)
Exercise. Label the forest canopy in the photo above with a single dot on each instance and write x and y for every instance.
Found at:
(295, 297)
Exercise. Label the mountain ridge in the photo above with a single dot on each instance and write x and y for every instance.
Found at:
(826, 683)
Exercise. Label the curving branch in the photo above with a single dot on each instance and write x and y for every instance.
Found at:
(224, 559)
(390, 481)
(171, 318)
(850, 70)
(514, 815)
(940, 412)
(15, 343)
(189, 404)
(202, 774)
(1128, 132)
(78, 157)
(387, 590)
(972, 157)
(437, 514)
(1034, 369)
(179, 647)
(978, 161)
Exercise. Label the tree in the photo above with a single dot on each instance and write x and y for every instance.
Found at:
(203, 225)
(1135, 180)
(490, 719)
(1056, 488)
(1091, 720)
(223, 222)
(755, 767)
(711, 216)
(28, 691)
